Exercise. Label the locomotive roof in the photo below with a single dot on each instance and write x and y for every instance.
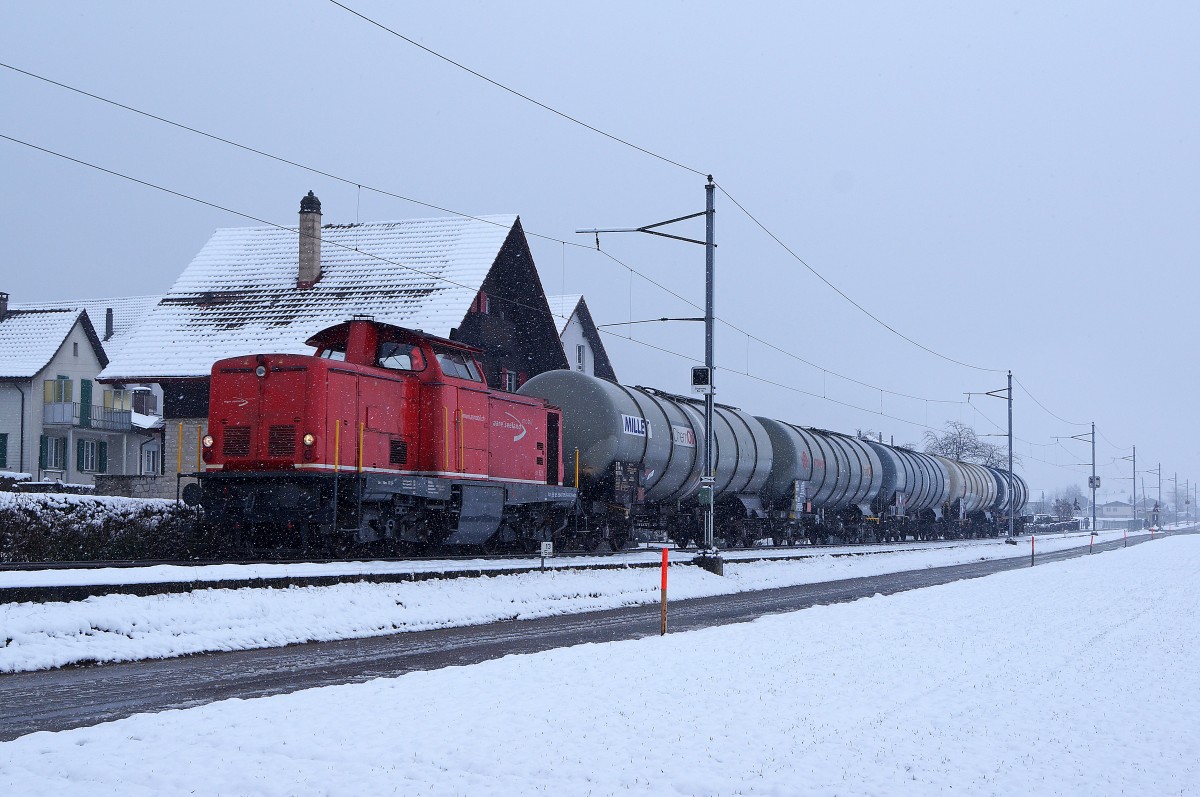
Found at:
(239, 294)
(338, 332)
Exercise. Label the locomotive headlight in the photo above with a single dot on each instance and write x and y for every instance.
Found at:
(260, 370)
(309, 439)
(207, 441)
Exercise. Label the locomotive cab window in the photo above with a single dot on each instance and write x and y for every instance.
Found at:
(400, 356)
(457, 364)
(337, 352)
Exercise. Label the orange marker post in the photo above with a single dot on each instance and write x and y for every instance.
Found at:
(663, 627)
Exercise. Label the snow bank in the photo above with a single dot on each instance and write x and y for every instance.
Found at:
(124, 627)
(1076, 678)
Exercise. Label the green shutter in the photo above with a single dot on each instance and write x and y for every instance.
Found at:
(4, 450)
(85, 403)
(102, 457)
(43, 442)
(79, 455)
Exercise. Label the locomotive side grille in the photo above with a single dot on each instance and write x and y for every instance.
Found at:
(236, 442)
(281, 441)
(398, 453)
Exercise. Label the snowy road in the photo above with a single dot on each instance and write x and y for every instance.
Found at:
(77, 697)
(1077, 678)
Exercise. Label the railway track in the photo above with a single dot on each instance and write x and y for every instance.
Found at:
(58, 581)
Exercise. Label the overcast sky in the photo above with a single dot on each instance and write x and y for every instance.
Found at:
(1012, 185)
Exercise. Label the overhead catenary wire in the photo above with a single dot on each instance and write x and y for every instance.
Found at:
(359, 186)
(664, 158)
(516, 93)
(435, 277)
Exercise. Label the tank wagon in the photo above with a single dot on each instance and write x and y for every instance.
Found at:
(390, 438)
(632, 452)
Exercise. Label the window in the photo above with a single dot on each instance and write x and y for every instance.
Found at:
(87, 460)
(337, 352)
(457, 364)
(145, 402)
(57, 390)
(580, 355)
(117, 400)
(150, 462)
(508, 380)
(75, 349)
(91, 456)
(400, 356)
(4, 450)
(53, 455)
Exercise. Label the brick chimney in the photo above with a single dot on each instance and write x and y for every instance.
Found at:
(310, 242)
(108, 323)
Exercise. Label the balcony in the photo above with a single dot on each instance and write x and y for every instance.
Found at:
(86, 417)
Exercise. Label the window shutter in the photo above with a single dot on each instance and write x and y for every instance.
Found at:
(102, 457)
(4, 450)
(79, 455)
(68, 392)
(43, 443)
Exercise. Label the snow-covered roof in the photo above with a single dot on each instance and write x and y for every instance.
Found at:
(128, 312)
(29, 339)
(562, 308)
(239, 294)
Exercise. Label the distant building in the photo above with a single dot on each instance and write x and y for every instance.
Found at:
(580, 338)
(268, 289)
(1114, 509)
(57, 423)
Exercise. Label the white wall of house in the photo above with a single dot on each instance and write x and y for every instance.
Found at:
(10, 425)
(572, 339)
(76, 361)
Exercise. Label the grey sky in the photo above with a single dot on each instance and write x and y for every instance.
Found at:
(1012, 185)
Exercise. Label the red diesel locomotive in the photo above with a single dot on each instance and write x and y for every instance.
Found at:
(384, 435)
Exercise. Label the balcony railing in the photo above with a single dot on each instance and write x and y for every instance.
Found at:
(68, 413)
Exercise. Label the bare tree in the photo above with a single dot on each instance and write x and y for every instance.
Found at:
(960, 442)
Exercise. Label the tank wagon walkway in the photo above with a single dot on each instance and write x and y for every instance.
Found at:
(81, 696)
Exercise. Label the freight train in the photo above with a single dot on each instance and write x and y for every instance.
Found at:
(389, 439)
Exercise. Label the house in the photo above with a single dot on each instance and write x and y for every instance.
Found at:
(1114, 509)
(269, 289)
(57, 423)
(579, 336)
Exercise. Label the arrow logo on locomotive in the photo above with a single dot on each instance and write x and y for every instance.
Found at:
(518, 423)
(241, 402)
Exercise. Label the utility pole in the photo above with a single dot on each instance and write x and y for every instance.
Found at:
(702, 379)
(1008, 395)
(1095, 484)
(1011, 509)
(1133, 491)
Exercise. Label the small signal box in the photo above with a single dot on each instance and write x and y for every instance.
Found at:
(702, 379)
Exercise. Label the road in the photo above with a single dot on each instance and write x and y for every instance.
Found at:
(79, 696)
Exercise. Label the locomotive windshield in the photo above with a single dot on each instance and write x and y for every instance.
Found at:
(400, 356)
(337, 352)
(457, 364)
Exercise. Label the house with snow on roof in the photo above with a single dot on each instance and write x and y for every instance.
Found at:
(57, 423)
(266, 290)
(580, 337)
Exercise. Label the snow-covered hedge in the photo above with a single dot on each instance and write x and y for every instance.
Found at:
(57, 527)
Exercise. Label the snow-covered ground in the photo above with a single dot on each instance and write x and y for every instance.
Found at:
(124, 627)
(1077, 678)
